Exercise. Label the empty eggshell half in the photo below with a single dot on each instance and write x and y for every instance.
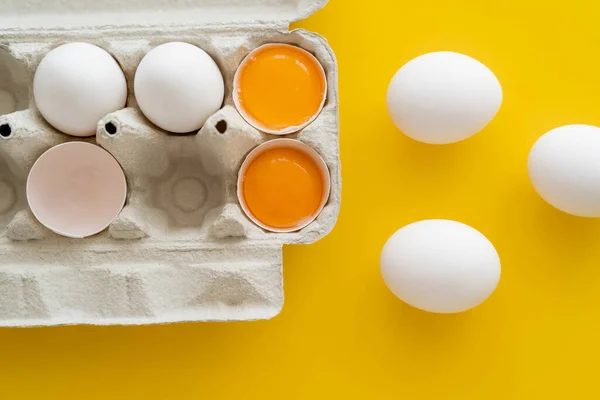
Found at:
(280, 88)
(76, 189)
(76, 85)
(178, 86)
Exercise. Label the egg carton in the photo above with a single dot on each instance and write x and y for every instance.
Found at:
(181, 249)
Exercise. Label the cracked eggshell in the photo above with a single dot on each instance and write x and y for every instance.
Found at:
(283, 143)
(76, 85)
(76, 189)
(251, 58)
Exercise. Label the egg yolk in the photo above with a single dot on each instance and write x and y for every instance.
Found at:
(283, 188)
(281, 86)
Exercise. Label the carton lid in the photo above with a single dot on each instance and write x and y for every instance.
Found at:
(68, 14)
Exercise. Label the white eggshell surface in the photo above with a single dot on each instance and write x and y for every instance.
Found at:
(443, 97)
(76, 189)
(564, 168)
(178, 86)
(76, 85)
(440, 266)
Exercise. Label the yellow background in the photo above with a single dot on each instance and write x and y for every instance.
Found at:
(341, 333)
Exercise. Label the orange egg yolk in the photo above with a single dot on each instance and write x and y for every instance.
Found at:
(281, 86)
(283, 188)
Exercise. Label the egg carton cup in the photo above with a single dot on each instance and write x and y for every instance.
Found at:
(181, 249)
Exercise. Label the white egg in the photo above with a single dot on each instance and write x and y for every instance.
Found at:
(440, 266)
(178, 86)
(76, 85)
(564, 168)
(443, 97)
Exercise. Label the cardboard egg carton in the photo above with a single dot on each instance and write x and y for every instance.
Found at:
(181, 249)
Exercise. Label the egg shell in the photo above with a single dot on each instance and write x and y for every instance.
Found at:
(294, 144)
(76, 85)
(440, 266)
(443, 97)
(178, 86)
(564, 169)
(258, 125)
(76, 189)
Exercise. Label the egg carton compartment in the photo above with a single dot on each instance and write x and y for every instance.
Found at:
(181, 249)
(14, 83)
(12, 195)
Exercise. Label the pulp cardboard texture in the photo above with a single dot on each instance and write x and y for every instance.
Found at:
(181, 249)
